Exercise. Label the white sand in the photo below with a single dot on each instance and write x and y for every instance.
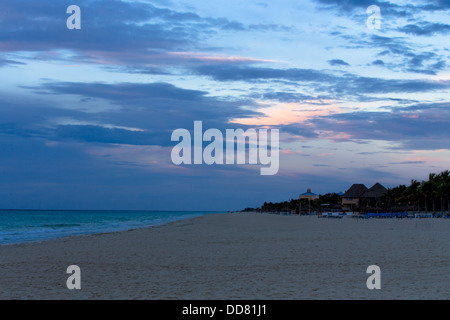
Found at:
(238, 256)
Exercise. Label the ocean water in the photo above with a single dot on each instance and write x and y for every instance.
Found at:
(18, 226)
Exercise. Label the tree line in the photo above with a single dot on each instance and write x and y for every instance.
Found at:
(430, 195)
(332, 200)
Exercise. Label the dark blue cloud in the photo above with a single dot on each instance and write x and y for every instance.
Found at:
(147, 113)
(300, 130)
(420, 126)
(388, 8)
(64, 176)
(436, 5)
(425, 29)
(45, 145)
(378, 62)
(289, 97)
(98, 134)
(49, 165)
(157, 100)
(8, 62)
(248, 73)
(407, 162)
(393, 45)
(338, 62)
(416, 61)
(347, 84)
(348, 5)
(109, 26)
(359, 7)
(106, 25)
(406, 55)
(125, 92)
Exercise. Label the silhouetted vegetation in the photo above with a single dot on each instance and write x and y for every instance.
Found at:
(329, 201)
(431, 195)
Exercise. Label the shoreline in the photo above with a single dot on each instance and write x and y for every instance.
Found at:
(175, 221)
(237, 256)
(74, 237)
(86, 232)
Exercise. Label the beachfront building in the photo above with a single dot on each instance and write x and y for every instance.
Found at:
(351, 198)
(308, 195)
(359, 197)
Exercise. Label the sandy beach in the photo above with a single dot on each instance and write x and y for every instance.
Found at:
(238, 256)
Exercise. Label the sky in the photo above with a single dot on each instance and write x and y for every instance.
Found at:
(86, 115)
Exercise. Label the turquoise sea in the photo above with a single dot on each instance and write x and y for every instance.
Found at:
(18, 226)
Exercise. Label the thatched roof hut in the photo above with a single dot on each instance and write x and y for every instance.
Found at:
(355, 191)
(376, 191)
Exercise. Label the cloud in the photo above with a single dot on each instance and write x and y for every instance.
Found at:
(118, 30)
(107, 144)
(100, 134)
(145, 114)
(378, 62)
(324, 82)
(436, 5)
(349, 5)
(106, 25)
(359, 7)
(216, 58)
(338, 62)
(405, 55)
(412, 60)
(227, 72)
(124, 92)
(388, 8)
(289, 97)
(425, 29)
(407, 162)
(8, 62)
(300, 130)
(420, 126)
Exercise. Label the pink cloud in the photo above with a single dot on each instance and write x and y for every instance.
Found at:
(217, 58)
(281, 113)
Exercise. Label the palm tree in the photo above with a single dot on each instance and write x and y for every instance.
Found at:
(433, 185)
(413, 192)
(447, 193)
(386, 200)
(444, 189)
(423, 190)
(402, 195)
